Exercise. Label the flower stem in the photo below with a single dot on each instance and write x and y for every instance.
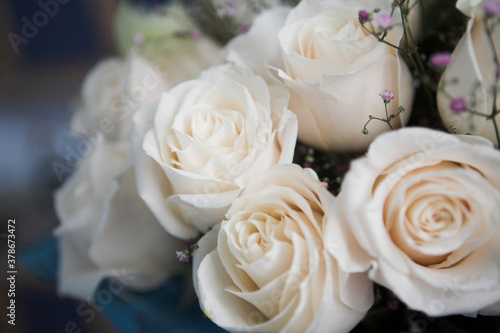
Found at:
(388, 121)
(494, 111)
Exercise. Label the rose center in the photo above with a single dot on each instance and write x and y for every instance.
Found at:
(221, 126)
(428, 214)
(331, 37)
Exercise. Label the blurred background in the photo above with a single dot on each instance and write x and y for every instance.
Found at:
(46, 48)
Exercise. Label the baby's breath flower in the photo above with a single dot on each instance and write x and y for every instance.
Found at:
(384, 21)
(491, 8)
(364, 16)
(387, 95)
(458, 105)
(441, 59)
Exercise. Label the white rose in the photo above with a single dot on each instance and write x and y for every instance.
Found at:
(267, 268)
(471, 76)
(468, 7)
(111, 93)
(424, 210)
(205, 141)
(259, 47)
(106, 229)
(98, 206)
(105, 225)
(117, 87)
(329, 62)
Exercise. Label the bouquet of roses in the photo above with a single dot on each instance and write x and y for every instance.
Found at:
(302, 163)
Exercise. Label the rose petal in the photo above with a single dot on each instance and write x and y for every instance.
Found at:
(150, 250)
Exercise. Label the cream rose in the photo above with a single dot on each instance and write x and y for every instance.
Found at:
(205, 141)
(106, 229)
(266, 269)
(328, 62)
(468, 7)
(111, 93)
(117, 87)
(471, 77)
(424, 210)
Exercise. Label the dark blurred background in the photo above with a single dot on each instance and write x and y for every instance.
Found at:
(46, 48)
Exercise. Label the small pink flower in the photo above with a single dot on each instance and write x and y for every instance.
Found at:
(491, 8)
(182, 256)
(364, 16)
(221, 13)
(325, 185)
(195, 34)
(242, 30)
(441, 59)
(384, 21)
(458, 105)
(231, 11)
(387, 95)
(190, 242)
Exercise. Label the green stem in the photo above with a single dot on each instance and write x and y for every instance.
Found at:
(383, 40)
(497, 132)
(387, 117)
(403, 20)
(475, 113)
(392, 45)
(489, 33)
(429, 87)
